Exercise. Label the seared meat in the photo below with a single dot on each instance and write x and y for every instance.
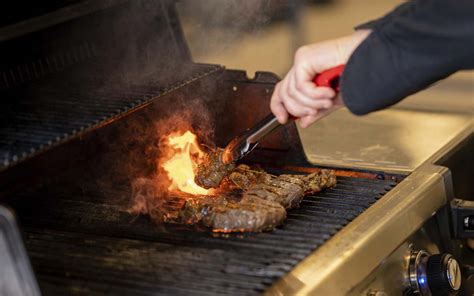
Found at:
(287, 190)
(226, 215)
(249, 200)
(286, 194)
(244, 177)
(212, 170)
(262, 206)
(194, 209)
(313, 182)
(316, 182)
(250, 214)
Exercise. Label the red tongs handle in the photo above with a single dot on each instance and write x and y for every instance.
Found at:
(330, 78)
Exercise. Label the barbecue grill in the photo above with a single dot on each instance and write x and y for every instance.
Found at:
(86, 92)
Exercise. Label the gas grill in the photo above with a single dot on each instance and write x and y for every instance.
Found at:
(98, 248)
(87, 90)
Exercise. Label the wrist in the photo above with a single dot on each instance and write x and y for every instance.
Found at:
(347, 45)
(358, 37)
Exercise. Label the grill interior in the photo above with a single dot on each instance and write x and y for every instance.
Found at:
(81, 241)
(58, 114)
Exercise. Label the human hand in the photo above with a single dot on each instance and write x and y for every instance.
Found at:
(297, 95)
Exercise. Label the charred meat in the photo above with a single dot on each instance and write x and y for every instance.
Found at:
(212, 170)
(249, 200)
(262, 206)
(313, 182)
(286, 194)
(226, 215)
(287, 190)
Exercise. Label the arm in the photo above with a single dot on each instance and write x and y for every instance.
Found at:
(420, 42)
(416, 45)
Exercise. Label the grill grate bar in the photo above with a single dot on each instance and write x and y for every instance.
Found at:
(80, 237)
(41, 117)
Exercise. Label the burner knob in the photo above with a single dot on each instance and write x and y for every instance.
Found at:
(434, 274)
(444, 274)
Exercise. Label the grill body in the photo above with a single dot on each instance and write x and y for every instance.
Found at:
(86, 94)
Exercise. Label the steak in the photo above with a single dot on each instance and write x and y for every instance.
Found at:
(226, 215)
(211, 170)
(313, 182)
(288, 195)
(249, 200)
(287, 190)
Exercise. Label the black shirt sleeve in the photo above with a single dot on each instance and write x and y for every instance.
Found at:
(419, 43)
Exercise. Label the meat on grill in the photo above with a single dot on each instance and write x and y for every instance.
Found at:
(212, 170)
(287, 190)
(250, 200)
(226, 215)
(262, 206)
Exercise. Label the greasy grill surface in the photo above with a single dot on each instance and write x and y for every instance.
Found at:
(80, 242)
(40, 117)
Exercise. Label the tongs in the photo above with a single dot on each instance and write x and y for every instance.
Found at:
(243, 144)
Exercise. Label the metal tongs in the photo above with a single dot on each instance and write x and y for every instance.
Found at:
(243, 144)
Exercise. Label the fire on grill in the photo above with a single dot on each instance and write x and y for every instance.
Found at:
(246, 199)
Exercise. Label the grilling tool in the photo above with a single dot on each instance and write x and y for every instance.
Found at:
(243, 144)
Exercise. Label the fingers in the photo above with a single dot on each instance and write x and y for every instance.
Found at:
(297, 94)
(277, 106)
(298, 110)
(309, 95)
(287, 94)
(298, 103)
(307, 87)
(306, 121)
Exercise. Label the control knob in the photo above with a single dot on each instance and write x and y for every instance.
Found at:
(434, 274)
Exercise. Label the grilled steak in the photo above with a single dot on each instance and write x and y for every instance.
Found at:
(212, 170)
(249, 200)
(287, 190)
(313, 182)
(286, 194)
(262, 206)
(244, 176)
(226, 215)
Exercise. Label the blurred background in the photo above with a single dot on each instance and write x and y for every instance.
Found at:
(262, 35)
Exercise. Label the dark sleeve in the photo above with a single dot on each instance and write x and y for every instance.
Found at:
(419, 43)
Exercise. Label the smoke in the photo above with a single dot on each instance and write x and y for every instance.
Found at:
(214, 25)
(147, 198)
(141, 53)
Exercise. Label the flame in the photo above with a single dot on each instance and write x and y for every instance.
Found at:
(181, 165)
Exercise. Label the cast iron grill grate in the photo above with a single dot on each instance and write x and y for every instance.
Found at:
(80, 242)
(41, 118)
